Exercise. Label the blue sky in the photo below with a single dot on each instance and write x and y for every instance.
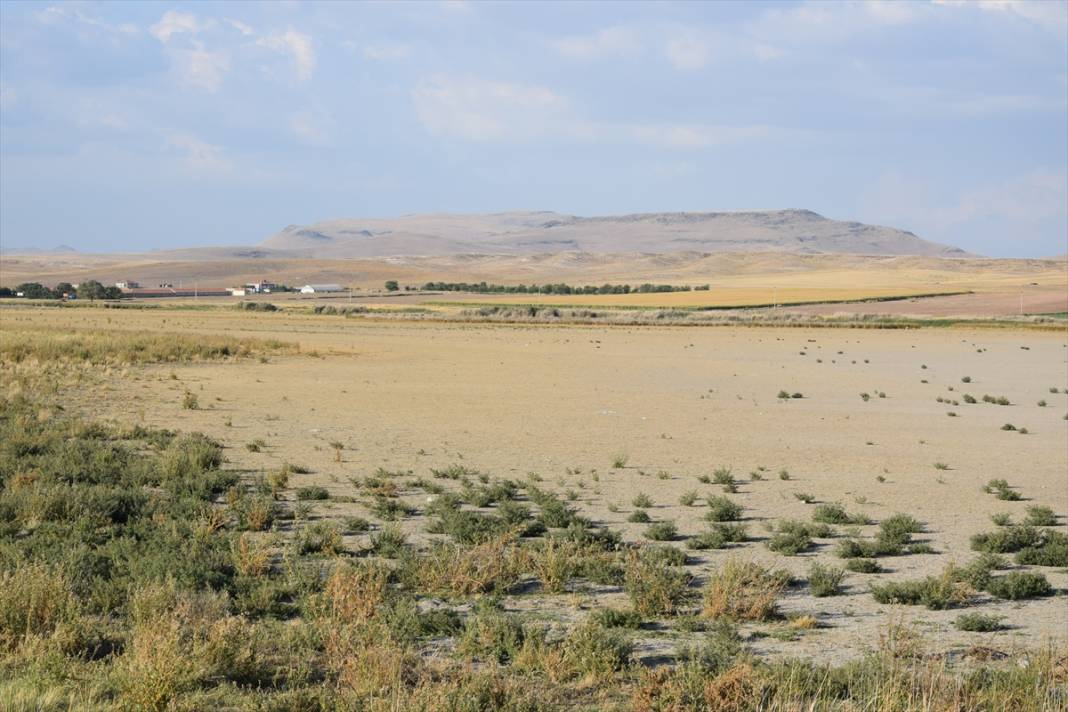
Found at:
(130, 126)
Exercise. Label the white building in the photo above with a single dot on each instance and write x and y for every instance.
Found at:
(321, 288)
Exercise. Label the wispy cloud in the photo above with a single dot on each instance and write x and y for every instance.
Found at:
(312, 127)
(617, 40)
(71, 13)
(245, 29)
(385, 52)
(176, 23)
(475, 109)
(456, 7)
(485, 111)
(201, 68)
(688, 50)
(1051, 15)
(1017, 205)
(297, 46)
(197, 155)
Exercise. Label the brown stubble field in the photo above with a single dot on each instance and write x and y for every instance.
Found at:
(604, 414)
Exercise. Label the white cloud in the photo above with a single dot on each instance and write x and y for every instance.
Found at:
(199, 156)
(199, 67)
(312, 127)
(832, 21)
(1029, 198)
(176, 23)
(386, 52)
(1012, 209)
(298, 46)
(1051, 15)
(456, 7)
(56, 14)
(482, 110)
(616, 40)
(479, 110)
(688, 51)
(245, 30)
(693, 136)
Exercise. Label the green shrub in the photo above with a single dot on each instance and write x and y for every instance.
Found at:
(468, 527)
(935, 592)
(863, 566)
(662, 531)
(639, 516)
(978, 623)
(320, 538)
(668, 554)
(593, 652)
(789, 543)
(615, 618)
(1051, 550)
(722, 476)
(1040, 517)
(710, 539)
(655, 588)
(312, 493)
(389, 542)
(388, 508)
(1018, 585)
(491, 636)
(356, 525)
(836, 514)
(723, 509)
(642, 501)
(825, 580)
(1008, 539)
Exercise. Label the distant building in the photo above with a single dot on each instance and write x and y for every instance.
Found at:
(128, 284)
(321, 288)
(237, 291)
(172, 292)
(261, 287)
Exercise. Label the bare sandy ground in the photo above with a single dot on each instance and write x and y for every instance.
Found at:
(514, 399)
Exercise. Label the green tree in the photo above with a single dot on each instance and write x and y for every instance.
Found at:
(91, 289)
(391, 285)
(63, 288)
(35, 290)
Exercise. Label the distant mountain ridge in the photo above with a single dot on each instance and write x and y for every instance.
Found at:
(531, 232)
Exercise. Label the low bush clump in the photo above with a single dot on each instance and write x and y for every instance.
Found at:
(744, 591)
(947, 590)
(1018, 585)
(312, 493)
(836, 514)
(1001, 489)
(655, 587)
(825, 580)
(1040, 517)
(978, 623)
(723, 509)
(863, 566)
(639, 516)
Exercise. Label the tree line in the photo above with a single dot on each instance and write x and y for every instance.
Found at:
(559, 288)
(89, 289)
